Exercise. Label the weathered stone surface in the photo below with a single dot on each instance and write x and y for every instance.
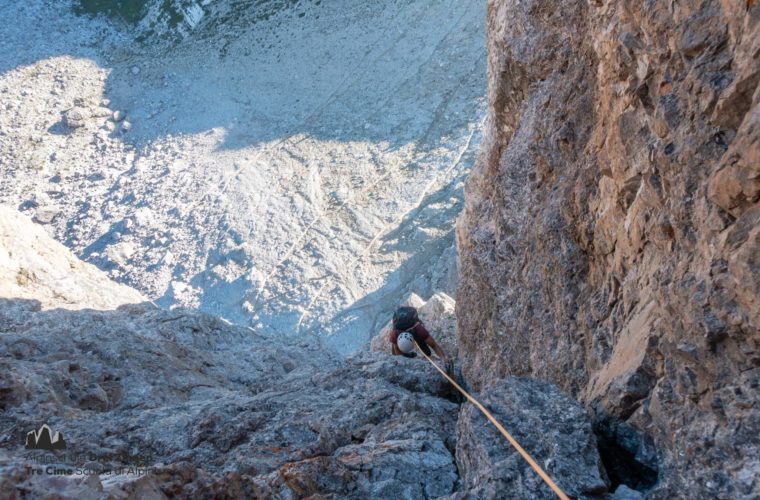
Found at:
(550, 425)
(190, 388)
(735, 185)
(610, 238)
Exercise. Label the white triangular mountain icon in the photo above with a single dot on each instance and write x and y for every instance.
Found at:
(54, 438)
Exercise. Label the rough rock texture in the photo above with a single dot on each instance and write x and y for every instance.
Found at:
(196, 393)
(439, 318)
(545, 421)
(610, 239)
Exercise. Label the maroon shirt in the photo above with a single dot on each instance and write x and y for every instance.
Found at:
(418, 331)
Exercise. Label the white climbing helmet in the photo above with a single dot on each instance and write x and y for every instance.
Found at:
(405, 342)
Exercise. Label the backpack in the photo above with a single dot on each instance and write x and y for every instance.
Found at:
(405, 318)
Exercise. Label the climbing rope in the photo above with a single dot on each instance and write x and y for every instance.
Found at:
(548, 480)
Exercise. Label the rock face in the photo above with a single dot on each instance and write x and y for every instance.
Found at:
(610, 240)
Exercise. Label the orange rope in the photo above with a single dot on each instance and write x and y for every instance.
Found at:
(548, 480)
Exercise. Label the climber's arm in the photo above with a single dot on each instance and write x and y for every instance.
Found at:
(437, 348)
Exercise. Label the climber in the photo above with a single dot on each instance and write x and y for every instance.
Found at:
(407, 330)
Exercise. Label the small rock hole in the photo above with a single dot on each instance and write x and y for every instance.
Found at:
(627, 455)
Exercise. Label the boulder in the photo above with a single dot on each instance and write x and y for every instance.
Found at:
(76, 117)
(552, 427)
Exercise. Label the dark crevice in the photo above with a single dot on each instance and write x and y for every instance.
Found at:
(450, 393)
(628, 455)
